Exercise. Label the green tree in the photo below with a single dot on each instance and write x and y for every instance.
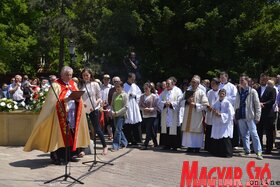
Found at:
(16, 38)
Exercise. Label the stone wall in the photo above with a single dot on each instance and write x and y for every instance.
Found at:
(16, 127)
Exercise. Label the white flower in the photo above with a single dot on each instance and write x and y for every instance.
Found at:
(15, 102)
(16, 107)
(41, 94)
(9, 105)
(34, 101)
(46, 89)
(22, 103)
(2, 104)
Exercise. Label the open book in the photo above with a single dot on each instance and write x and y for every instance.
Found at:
(76, 95)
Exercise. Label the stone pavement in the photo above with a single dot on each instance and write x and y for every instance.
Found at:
(132, 167)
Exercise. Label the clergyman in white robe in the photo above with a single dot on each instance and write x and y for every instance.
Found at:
(134, 93)
(170, 135)
(132, 127)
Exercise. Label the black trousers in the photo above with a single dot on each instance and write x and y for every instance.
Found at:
(133, 133)
(266, 124)
(171, 141)
(208, 140)
(150, 132)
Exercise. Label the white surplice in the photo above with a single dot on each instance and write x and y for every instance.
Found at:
(169, 116)
(212, 98)
(133, 112)
(222, 126)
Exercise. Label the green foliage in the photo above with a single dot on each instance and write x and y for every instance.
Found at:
(17, 38)
(181, 38)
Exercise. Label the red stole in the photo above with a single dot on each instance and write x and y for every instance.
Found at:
(72, 138)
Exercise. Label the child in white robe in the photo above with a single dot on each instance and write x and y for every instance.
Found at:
(222, 126)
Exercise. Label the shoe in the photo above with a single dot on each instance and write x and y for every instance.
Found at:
(58, 162)
(81, 154)
(123, 147)
(114, 150)
(259, 156)
(196, 150)
(74, 159)
(189, 150)
(245, 154)
(235, 148)
(144, 148)
(267, 152)
(166, 148)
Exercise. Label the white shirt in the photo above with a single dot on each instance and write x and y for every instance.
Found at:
(104, 92)
(93, 89)
(18, 94)
(262, 90)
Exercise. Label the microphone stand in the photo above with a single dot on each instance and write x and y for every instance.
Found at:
(94, 161)
(66, 175)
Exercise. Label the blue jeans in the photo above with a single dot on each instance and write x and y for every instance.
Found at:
(247, 128)
(119, 138)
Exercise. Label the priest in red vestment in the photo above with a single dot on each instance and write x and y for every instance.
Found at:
(49, 133)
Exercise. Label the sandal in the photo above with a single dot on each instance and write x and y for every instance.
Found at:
(81, 154)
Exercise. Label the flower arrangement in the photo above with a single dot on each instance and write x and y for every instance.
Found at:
(37, 100)
(7, 105)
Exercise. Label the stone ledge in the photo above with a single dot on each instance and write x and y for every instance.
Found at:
(16, 127)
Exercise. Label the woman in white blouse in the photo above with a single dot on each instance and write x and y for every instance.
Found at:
(92, 100)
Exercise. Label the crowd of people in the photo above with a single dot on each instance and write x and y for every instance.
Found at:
(215, 115)
(21, 88)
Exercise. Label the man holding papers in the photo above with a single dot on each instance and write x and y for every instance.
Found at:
(49, 133)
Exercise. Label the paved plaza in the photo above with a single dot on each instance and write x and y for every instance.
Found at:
(132, 167)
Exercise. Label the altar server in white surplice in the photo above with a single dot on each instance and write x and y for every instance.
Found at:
(222, 126)
(212, 96)
(231, 90)
(192, 126)
(170, 126)
(132, 127)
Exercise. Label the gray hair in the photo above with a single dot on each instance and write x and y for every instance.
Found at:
(116, 78)
(66, 69)
(196, 78)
